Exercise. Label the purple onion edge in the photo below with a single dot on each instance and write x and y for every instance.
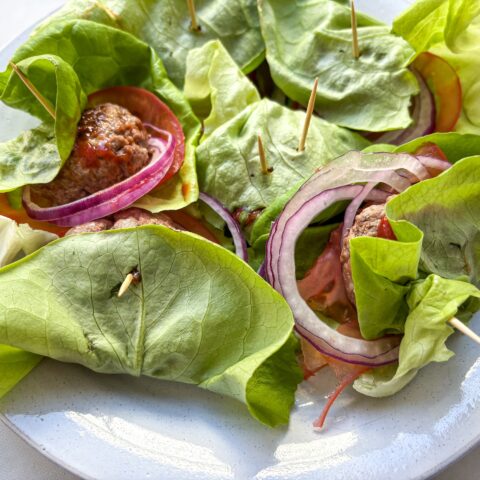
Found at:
(61, 212)
(234, 227)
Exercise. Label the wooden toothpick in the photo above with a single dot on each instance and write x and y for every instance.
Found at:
(355, 48)
(308, 116)
(125, 285)
(46, 104)
(109, 13)
(263, 159)
(193, 15)
(460, 326)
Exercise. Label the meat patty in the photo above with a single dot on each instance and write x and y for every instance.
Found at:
(111, 145)
(366, 224)
(91, 227)
(129, 218)
(136, 217)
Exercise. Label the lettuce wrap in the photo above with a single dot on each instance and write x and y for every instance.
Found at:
(67, 61)
(199, 315)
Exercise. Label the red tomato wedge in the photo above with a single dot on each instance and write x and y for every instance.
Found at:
(430, 149)
(151, 111)
(385, 230)
(443, 81)
(20, 216)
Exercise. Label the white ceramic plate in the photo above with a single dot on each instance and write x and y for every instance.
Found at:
(117, 427)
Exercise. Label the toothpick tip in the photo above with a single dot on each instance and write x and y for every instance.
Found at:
(459, 325)
(33, 90)
(308, 116)
(263, 159)
(355, 47)
(125, 285)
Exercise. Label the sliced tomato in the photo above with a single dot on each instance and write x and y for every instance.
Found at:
(443, 81)
(20, 216)
(385, 230)
(312, 360)
(323, 287)
(150, 110)
(191, 224)
(429, 149)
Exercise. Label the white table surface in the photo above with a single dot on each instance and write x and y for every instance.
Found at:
(19, 461)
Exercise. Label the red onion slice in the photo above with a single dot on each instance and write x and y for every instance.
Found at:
(112, 199)
(232, 224)
(337, 182)
(433, 163)
(151, 111)
(423, 116)
(351, 211)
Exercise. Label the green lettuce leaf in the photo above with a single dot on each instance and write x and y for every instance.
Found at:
(432, 302)
(381, 271)
(451, 30)
(465, 60)
(215, 86)
(200, 315)
(228, 161)
(15, 364)
(165, 25)
(30, 158)
(17, 241)
(313, 38)
(429, 22)
(450, 220)
(455, 146)
(67, 61)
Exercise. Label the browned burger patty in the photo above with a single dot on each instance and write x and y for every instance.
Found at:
(111, 145)
(366, 224)
(129, 218)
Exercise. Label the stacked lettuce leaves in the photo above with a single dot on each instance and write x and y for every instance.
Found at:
(228, 162)
(307, 39)
(166, 26)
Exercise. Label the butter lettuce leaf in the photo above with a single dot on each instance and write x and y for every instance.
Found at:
(429, 22)
(306, 39)
(432, 302)
(200, 314)
(465, 60)
(228, 162)
(381, 271)
(451, 30)
(15, 364)
(16, 241)
(454, 145)
(446, 209)
(68, 61)
(32, 157)
(216, 87)
(165, 25)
